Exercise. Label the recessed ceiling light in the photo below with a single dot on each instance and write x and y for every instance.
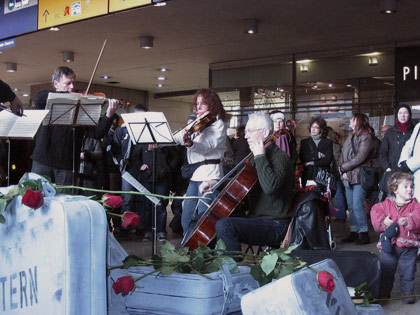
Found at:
(349, 85)
(161, 78)
(159, 3)
(159, 85)
(304, 61)
(163, 69)
(54, 28)
(330, 84)
(25, 94)
(16, 89)
(105, 77)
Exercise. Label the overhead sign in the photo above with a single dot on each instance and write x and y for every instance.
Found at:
(407, 73)
(118, 5)
(57, 12)
(8, 43)
(18, 17)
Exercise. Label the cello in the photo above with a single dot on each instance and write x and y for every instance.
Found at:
(227, 200)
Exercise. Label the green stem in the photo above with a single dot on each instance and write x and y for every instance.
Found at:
(395, 298)
(127, 192)
(145, 275)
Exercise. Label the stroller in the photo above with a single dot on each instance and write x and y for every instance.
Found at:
(311, 227)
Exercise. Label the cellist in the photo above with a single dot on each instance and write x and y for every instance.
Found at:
(205, 149)
(270, 198)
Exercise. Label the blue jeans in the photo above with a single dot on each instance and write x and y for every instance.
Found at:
(58, 176)
(147, 206)
(187, 220)
(356, 198)
(403, 257)
(340, 200)
(234, 231)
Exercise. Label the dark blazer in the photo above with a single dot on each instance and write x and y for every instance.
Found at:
(309, 153)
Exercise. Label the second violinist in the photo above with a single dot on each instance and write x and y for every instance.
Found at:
(205, 149)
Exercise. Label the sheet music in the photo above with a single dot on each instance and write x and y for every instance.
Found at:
(24, 127)
(63, 108)
(139, 132)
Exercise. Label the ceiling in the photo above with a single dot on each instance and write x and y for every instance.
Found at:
(189, 35)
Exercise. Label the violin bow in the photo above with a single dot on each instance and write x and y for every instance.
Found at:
(96, 66)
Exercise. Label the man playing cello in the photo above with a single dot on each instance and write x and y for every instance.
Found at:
(270, 198)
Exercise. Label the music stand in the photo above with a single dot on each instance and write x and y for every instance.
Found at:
(73, 110)
(14, 127)
(149, 128)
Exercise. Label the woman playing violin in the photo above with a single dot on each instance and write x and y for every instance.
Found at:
(207, 146)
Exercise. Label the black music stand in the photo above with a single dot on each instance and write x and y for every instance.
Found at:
(149, 128)
(73, 110)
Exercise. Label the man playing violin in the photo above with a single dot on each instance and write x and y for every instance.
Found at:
(206, 147)
(270, 198)
(53, 152)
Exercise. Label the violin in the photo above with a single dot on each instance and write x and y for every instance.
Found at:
(198, 125)
(228, 199)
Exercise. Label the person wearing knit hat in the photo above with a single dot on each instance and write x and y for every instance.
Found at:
(287, 142)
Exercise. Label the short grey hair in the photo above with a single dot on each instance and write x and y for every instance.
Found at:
(60, 71)
(264, 120)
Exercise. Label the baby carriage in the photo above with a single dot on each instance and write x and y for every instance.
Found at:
(311, 226)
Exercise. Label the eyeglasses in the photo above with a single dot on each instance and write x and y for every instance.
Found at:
(252, 130)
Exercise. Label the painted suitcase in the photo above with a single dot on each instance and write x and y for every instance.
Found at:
(298, 293)
(52, 260)
(176, 293)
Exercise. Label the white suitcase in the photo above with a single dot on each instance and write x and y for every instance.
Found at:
(52, 260)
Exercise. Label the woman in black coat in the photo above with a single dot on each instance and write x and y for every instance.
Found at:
(316, 152)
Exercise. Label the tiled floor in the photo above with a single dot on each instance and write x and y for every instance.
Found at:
(133, 245)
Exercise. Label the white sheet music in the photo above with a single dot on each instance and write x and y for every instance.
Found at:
(63, 108)
(140, 133)
(24, 127)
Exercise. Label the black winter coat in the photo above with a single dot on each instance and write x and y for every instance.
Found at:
(391, 147)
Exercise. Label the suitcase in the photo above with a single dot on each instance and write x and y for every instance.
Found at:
(355, 266)
(298, 293)
(52, 260)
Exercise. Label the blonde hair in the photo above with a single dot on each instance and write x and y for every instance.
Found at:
(395, 179)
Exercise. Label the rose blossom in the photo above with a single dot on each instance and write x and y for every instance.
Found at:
(326, 281)
(33, 199)
(112, 201)
(123, 285)
(130, 219)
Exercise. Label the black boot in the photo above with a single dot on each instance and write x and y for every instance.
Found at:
(351, 238)
(363, 239)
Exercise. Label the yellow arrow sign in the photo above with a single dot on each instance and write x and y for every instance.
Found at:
(57, 12)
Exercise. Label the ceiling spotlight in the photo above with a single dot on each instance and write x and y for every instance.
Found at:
(251, 26)
(54, 28)
(25, 94)
(16, 89)
(146, 42)
(159, 85)
(68, 56)
(303, 68)
(163, 69)
(105, 77)
(161, 78)
(388, 6)
(373, 61)
(11, 66)
(330, 84)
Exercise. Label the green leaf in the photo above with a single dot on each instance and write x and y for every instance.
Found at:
(157, 261)
(184, 251)
(167, 270)
(3, 205)
(13, 191)
(197, 261)
(286, 270)
(230, 263)
(220, 245)
(2, 219)
(259, 275)
(290, 249)
(173, 257)
(130, 261)
(202, 248)
(269, 263)
(213, 266)
(168, 246)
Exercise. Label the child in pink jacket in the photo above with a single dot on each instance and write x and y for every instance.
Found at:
(398, 219)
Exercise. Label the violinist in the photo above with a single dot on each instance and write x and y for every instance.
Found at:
(205, 149)
(53, 152)
(7, 95)
(270, 198)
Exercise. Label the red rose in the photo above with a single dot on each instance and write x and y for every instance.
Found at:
(326, 281)
(33, 199)
(130, 219)
(112, 201)
(123, 285)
